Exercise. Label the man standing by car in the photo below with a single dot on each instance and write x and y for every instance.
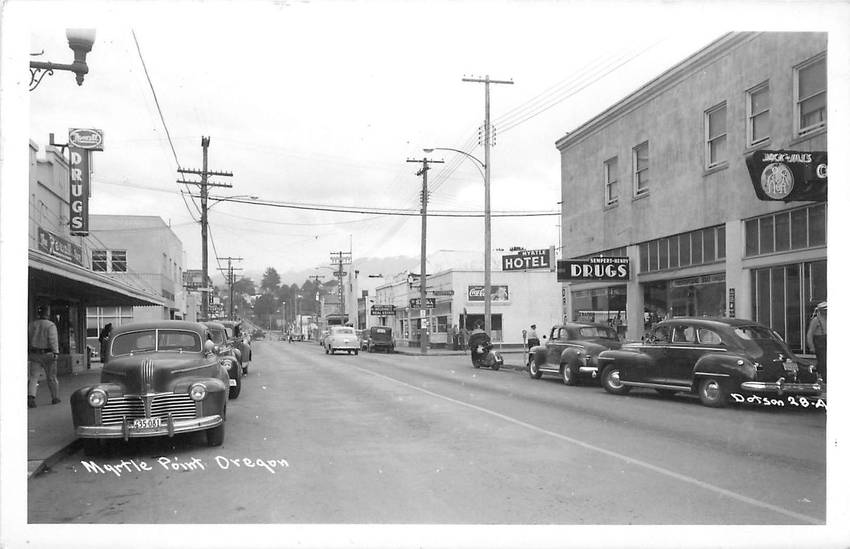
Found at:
(42, 352)
(816, 337)
(533, 340)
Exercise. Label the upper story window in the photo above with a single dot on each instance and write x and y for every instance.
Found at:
(787, 230)
(610, 175)
(715, 136)
(758, 114)
(810, 95)
(640, 163)
(109, 261)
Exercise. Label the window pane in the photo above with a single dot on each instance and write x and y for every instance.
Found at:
(793, 313)
(817, 225)
(98, 260)
(717, 150)
(684, 250)
(663, 245)
(653, 255)
(674, 252)
(760, 100)
(763, 297)
(708, 245)
(761, 129)
(777, 318)
(717, 123)
(799, 234)
(752, 230)
(696, 247)
(642, 157)
(813, 111)
(766, 234)
(783, 232)
(813, 79)
(644, 257)
(721, 242)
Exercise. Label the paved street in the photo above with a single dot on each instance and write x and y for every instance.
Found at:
(383, 439)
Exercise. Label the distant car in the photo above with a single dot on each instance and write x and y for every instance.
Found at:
(323, 337)
(241, 340)
(712, 357)
(380, 338)
(571, 352)
(258, 334)
(230, 356)
(342, 338)
(159, 379)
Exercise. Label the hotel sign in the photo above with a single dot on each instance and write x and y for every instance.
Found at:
(788, 175)
(56, 246)
(595, 269)
(527, 259)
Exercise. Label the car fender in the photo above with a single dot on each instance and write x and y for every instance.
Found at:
(538, 354)
(627, 361)
(81, 412)
(572, 356)
(724, 366)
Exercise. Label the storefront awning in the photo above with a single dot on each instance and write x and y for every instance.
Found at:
(57, 277)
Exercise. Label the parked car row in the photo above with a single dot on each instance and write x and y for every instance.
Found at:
(714, 358)
(160, 379)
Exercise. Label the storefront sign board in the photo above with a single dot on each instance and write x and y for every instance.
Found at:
(595, 268)
(56, 246)
(497, 293)
(79, 190)
(383, 310)
(430, 302)
(788, 175)
(527, 259)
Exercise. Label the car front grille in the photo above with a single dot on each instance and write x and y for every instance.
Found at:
(180, 406)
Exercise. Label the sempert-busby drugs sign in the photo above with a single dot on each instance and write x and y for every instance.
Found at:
(595, 268)
(788, 175)
(81, 141)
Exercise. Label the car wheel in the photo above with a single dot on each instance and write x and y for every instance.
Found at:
(356, 352)
(215, 436)
(611, 381)
(327, 351)
(369, 348)
(331, 349)
(533, 370)
(712, 393)
(235, 390)
(569, 375)
(666, 393)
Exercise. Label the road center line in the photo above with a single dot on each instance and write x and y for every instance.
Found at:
(660, 470)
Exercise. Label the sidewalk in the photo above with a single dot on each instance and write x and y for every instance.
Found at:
(514, 355)
(50, 429)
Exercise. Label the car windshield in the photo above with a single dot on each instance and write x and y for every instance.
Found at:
(593, 332)
(155, 340)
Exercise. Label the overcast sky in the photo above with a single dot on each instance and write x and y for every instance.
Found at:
(323, 103)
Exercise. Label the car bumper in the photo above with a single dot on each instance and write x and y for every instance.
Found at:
(781, 388)
(592, 371)
(170, 428)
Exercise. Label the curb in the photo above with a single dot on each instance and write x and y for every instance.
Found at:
(36, 467)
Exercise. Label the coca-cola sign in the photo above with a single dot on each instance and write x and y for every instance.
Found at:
(86, 138)
(497, 293)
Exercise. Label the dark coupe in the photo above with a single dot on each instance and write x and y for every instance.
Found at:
(229, 356)
(713, 357)
(159, 378)
(571, 352)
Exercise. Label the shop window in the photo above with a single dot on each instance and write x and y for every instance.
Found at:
(708, 236)
(653, 255)
(715, 136)
(663, 253)
(644, 258)
(758, 114)
(674, 252)
(442, 324)
(782, 226)
(721, 242)
(610, 175)
(799, 230)
(696, 247)
(640, 165)
(766, 234)
(684, 250)
(817, 225)
(810, 96)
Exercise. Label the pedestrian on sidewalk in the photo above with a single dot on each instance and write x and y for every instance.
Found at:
(816, 337)
(533, 340)
(43, 348)
(104, 336)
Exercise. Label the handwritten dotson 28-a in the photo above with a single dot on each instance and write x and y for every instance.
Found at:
(176, 464)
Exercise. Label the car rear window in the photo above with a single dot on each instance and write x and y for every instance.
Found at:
(597, 331)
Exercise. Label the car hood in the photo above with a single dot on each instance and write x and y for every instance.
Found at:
(156, 372)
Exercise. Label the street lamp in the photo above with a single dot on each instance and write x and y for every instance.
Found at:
(219, 199)
(80, 41)
(484, 170)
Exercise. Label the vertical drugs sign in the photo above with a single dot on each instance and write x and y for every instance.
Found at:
(81, 141)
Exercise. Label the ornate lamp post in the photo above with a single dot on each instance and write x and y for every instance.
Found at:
(80, 41)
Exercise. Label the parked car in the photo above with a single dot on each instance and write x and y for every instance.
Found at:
(713, 357)
(241, 340)
(571, 352)
(229, 356)
(159, 379)
(342, 338)
(380, 337)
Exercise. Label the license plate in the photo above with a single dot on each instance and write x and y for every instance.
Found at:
(146, 423)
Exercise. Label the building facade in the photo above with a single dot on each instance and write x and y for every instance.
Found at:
(62, 276)
(143, 251)
(661, 178)
(519, 299)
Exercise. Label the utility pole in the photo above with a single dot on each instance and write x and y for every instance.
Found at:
(316, 278)
(230, 278)
(423, 303)
(341, 258)
(204, 183)
(487, 138)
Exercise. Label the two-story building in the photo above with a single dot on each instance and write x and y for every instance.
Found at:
(661, 178)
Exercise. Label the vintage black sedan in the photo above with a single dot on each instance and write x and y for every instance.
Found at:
(240, 340)
(571, 352)
(229, 356)
(159, 379)
(712, 357)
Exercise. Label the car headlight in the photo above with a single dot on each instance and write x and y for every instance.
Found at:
(197, 391)
(226, 363)
(97, 398)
